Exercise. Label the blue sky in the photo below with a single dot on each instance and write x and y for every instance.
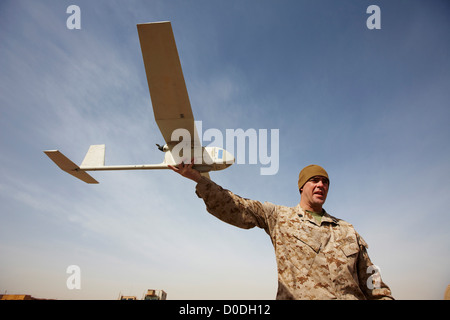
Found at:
(371, 106)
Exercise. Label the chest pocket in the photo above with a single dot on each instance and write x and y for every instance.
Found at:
(347, 253)
(301, 247)
(349, 249)
(345, 241)
(308, 239)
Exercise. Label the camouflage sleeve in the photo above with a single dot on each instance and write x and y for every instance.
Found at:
(231, 208)
(369, 275)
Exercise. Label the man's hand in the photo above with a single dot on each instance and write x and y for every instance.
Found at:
(187, 171)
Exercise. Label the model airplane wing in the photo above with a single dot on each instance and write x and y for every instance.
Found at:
(168, 92)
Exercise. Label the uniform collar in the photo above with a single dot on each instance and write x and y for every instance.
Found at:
(307, 216)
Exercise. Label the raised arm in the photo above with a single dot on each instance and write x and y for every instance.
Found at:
(225, 205)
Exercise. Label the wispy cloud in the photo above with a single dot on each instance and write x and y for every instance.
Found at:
(375, 117)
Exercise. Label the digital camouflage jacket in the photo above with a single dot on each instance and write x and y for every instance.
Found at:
(315, 261)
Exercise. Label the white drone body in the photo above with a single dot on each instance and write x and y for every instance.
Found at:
(172, 112)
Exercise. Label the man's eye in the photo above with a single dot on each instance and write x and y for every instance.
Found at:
(317, 180)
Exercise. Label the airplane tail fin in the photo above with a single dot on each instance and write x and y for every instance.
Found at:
(68, 166)
(95, 157)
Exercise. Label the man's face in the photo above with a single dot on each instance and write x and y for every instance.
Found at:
(314, 193)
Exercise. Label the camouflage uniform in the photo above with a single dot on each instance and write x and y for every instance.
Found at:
(315, 261)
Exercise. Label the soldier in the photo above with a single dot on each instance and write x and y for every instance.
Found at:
(318, 256)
